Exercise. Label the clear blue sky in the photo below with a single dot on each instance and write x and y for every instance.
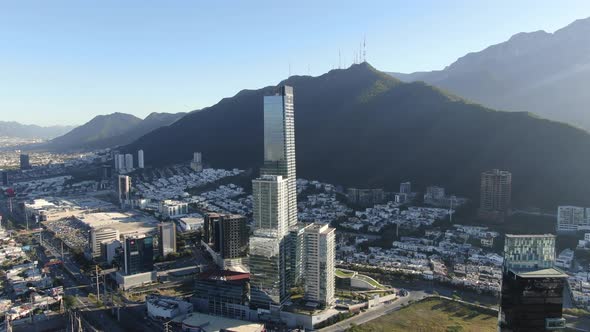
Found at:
(63, 62)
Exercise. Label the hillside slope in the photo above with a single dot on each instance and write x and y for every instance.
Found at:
(361, 127)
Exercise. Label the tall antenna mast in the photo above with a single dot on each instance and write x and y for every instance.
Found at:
(365, 49)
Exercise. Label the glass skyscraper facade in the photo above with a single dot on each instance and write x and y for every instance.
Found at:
(279, 143)
(267, 282)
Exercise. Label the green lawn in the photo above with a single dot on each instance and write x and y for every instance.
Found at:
(343, 274)
(432, 315)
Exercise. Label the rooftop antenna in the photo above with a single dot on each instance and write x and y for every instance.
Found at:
(365, 49)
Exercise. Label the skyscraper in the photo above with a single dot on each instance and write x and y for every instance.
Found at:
(120, 162)
(279, 143)
(495, 195)
(167, 238)
(532, 289)
(124, 188)
(25, 162)
(140, 161)
(5, 179)
(320, 247)
(270, 204)
(267, 280)
(138, 254)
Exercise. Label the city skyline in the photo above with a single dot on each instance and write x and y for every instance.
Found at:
(133, 67)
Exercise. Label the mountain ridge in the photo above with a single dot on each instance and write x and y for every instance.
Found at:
(19, 130)
(540, 72)
(412, 131)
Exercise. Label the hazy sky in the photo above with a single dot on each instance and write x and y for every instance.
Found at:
(63, 62)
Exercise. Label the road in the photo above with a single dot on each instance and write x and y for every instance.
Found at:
(376, 312)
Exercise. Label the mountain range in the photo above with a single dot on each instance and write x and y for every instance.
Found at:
(543, 73)
(109, 131)
(362, 127)
(15, 129)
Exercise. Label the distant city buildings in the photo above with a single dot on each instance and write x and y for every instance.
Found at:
(436, 196)
(197, 162)
(573, 219)
(25, 163)
(405, 188)
(532, 289)
(129, 162)
(166, 238)
(140, 160)
(365, 197)
(5, 178)
(495, 195)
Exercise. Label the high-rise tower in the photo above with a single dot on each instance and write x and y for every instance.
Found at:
(279, 143)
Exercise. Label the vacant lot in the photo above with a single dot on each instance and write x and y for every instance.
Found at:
(433, 315)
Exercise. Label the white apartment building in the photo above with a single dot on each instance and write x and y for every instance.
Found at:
(270, 204)
(319, 266)
(100, 235)
(173, 209)
(140, 161)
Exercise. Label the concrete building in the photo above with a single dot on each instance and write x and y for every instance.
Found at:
(197, 162)
(320, 247)
(532, 289)
(564, 259)
(100, 235)
(365, 197)
(279, 144)
(109, 250)
(166, 307)
(140, 160)
(222, 293)
(188, 224)
(226, 237)
(5, 178)
(434, 193)
(120, 162)
(25, 162)
(197, 322)
(129, 162)
(167, 238)
(270, 204)
(124, 189)
(173, 209)
(572, 219)
(495, 195)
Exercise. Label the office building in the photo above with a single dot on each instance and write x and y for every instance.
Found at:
(279, 144)
(320, 247)
(129, 162)
(138, 254)
(140, 161)
(405, 188)
(225, 237)
(25, 162)
(495, 195)
(572, 219)
(295, 254)
(270, 204)
(124, 189)
(167, 238)
(267, 281)
(222, 293)
(365, 197)
(532, 288)
(166, 307)
(99, 235)
(197, 162)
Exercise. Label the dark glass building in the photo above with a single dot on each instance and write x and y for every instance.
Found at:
(223, 293)
(226, 234)
(25, 162)
(532, 289)
(5, 179)
(138, 255)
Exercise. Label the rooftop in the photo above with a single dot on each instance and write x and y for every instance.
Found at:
(214, 323)
(544, 273)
